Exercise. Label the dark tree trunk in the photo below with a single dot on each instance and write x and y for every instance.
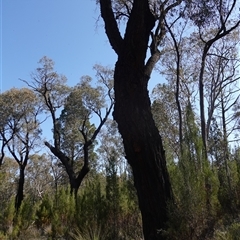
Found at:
(19, 196)
(75, 180)
(142, 142)
(143, 146)
(201, 102)
(132, 111)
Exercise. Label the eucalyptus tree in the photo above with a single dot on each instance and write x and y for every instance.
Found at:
(20, 129)
(223, 93)
(71, 110)
(132, 111)
(220, 75)
(221, 83)
(222, 18)
(75, 119)
(145, 19)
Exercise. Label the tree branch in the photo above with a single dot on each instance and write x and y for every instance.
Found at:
(63, 158)
(111, 27)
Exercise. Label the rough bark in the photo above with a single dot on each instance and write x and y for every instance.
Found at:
(75, 180)
(19, 196)
(132, 111)
(143, 147)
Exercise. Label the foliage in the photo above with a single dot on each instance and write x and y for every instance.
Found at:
(189, 37)
(19, 130)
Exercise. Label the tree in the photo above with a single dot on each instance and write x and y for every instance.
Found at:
(20, 129)
(73, 135)
(132, 111)
(177, 42)
(223, 92)
(220, 16)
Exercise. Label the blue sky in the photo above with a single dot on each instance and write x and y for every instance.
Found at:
(69, 32)
(66, 31)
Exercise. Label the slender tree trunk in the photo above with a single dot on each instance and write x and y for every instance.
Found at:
(19, 196)
(225, 142)
(201, 101)
(220, 34)
(180, 132)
